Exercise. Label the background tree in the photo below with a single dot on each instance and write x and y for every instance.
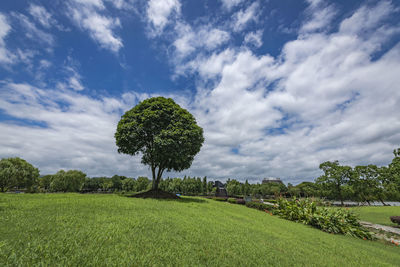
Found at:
(307, 189)
(164, 133)
(204, 186)
(365, 184)
(335, 176)
(129, 184)
(16, 172)
(45, 181)
(233, 187)
(246, 188)
(117, 182)
(68, 181)
(142, 183)
(293, 191)
(393, 174)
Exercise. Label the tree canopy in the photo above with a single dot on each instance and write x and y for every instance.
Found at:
(334, 177)
(166, 135)
(16, 172)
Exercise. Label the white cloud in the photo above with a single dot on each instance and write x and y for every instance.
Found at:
(77, 131)
(366, 18)
(67, 130)
(33, 32)
(41, 15)
(323, 98)
(320, 15)
(74, 79)
(6, 57)
(229, 4)
(44, 64)
(204, 37)
(86, 14)
(243, 17)
(254, 38)
(159, 12)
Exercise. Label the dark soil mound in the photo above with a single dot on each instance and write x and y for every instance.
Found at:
(155, 194)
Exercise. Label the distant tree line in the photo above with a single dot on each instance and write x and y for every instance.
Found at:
(360, 183)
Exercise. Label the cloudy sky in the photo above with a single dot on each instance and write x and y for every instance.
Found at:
(278, 86)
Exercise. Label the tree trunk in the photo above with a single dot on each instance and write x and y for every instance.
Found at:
(153, 172)
(340, 195)
(383, 203)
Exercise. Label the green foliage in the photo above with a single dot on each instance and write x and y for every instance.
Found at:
(308, 189)
(232, 200)
(365, 183)
(67, 181)
(165, 134)
(233, 187)
(236, 201)
(335, 176)
(266, 190)
(219, 198)
(129, 184)
(259, 205)
(337, 221)
(204, 186)
(117, 182)
(246, 188)
(16, 172)
(142, 183)
(45, 181)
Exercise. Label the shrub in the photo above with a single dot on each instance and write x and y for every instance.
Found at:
(258, 205)
(232, 200)
(240, 201)
(237, 201)
(395, 219)
(219, 198)
(337, 221)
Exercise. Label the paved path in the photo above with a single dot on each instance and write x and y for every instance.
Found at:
(385, 228)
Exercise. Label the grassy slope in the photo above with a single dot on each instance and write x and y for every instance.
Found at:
(73, 229)
(379, 215)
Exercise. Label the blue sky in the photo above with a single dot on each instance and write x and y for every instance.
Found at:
(278, 86)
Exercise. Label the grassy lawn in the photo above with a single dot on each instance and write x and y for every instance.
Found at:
(110, 230)
(379, 215)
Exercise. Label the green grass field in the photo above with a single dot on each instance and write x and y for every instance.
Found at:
(379, 215)
(110, 230)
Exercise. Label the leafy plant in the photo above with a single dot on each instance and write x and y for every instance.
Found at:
(236, 201)
(259, 205)
(232, 200)
(337, 221)
(219, 198)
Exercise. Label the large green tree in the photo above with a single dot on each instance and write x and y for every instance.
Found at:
(16, 172)
(366, 184)
(166, 135)
(335, 176)
(68, 181)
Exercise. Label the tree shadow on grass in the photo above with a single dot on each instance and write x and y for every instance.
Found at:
(185, 200)
(165, 196)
